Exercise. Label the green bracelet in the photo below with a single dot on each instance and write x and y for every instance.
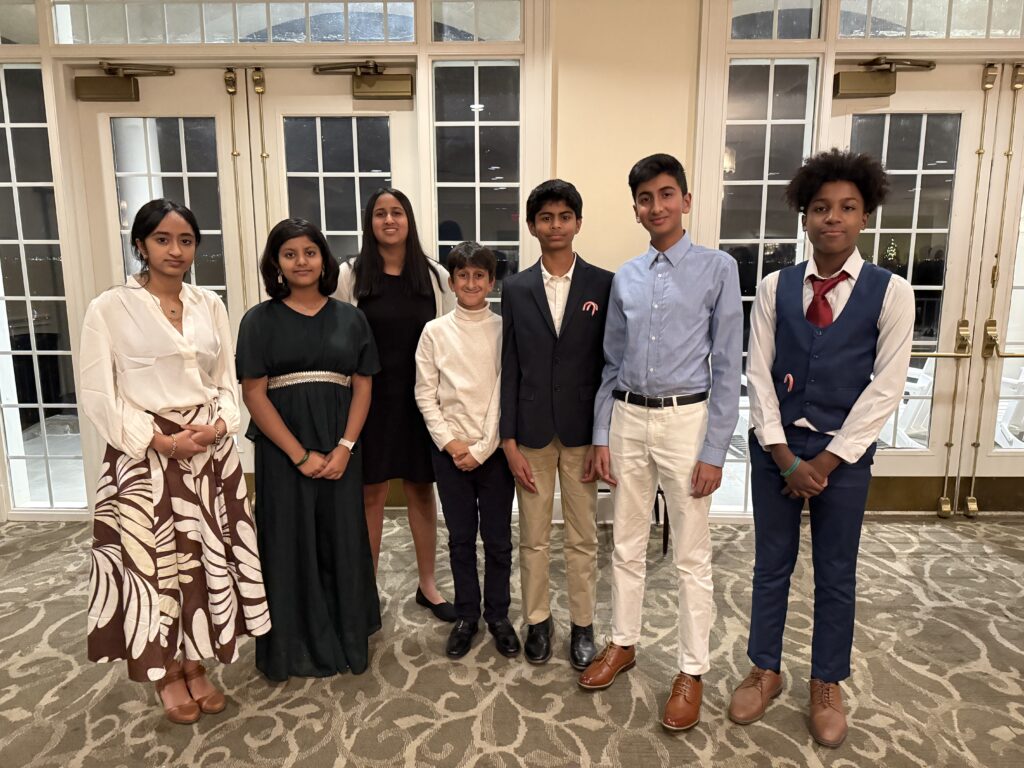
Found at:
(303, 460)
(792, 469)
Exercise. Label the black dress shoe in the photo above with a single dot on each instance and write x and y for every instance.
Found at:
(461, 638)
(581, 646)
(538, 641)
(444, 610)
(505, 638)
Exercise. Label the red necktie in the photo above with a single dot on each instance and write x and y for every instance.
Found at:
(819, 311)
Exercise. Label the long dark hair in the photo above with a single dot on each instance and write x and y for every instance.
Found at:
(148, 219)
(282, 232)
(369, 266)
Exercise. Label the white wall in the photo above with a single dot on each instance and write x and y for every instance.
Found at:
(625, 86)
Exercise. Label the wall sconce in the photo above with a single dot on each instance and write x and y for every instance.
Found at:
(729, 161)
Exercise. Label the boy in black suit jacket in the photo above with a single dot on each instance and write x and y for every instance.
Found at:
(553, 318)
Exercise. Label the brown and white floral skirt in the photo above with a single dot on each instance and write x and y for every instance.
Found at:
(175, 565)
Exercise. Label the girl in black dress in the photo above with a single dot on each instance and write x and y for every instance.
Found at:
(305, 362)
(399, 290)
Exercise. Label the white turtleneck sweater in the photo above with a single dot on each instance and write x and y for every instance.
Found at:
(458, 382)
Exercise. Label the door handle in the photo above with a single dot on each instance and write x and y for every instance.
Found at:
(990, 344)
(961, 348)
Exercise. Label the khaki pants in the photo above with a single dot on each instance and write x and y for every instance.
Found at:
(652, 446)
(579, 511)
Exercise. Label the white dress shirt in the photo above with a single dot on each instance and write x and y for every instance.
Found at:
(458, 379)
(557, 290)
(134, 362)
(892, 357)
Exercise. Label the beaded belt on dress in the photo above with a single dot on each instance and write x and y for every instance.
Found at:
(308, 377)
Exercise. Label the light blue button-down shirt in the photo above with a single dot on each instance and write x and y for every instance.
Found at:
(675, 325)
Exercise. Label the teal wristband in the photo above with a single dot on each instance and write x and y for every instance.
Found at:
(792, 469)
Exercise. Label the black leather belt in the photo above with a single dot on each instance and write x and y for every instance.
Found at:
(658, 402)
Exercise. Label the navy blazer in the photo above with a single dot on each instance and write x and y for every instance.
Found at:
(549, 380)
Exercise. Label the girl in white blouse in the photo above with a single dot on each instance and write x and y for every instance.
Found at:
(175, 567)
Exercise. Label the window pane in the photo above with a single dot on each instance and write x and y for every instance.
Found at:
(930, 258)
(455, 154)
(741, 212)
(868, 133)
(288, 22)
(183, 23)
(898, 210)
(453, 93)
(200, 144)
(252, 22)
(499, 214)
(888, 18)
(304, 198)
(1006, 18)
(107, 22)
(744, 152)
(365, 22)
(970, 18)
(928, 20)
(789, 100)
(63, 436)
(340, 212)
(38, 213)
(146, 22)
(336, 138)
(746, 260)
(45, 273)
(780, 221)
(18, 23)
(67, 478)
(453, 21)
(204, 200)
(209, 263)
(31, 148)
(853, 18)
(748, 92)
(499, 93)
(942, 136)
(327, 22)
(401, 22)
(25, 95)
(165, 145)
(300, 143)
(787, 151)
(456, 214)
(498, 19)
(904, 142)
(936, 201)
(798, 19)
(895, 252)
(8, 218)
(499, 153)
(752, 19)
(13, 281)
(374, 144)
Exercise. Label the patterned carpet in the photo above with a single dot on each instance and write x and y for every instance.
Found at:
(939, 654)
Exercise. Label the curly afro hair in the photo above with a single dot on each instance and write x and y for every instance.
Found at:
(864, 171)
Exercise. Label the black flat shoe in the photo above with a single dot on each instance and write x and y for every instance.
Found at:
(505, 638)
(444, 610)
(461, 638)
(538, 641)
(581, 646)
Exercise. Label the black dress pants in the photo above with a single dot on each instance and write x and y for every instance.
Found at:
(478, 500)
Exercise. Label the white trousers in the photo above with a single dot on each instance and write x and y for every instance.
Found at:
(652, 446)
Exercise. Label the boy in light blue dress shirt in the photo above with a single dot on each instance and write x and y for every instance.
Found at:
(675, 325)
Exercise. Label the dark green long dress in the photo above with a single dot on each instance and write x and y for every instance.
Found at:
(313, 541)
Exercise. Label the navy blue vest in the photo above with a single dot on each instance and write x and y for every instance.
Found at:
(830, 366)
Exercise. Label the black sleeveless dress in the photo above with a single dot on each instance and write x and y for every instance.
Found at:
(396, 443)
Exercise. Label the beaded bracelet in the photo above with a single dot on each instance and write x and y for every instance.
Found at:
(174, 447)
(218, 435)
(792, 469)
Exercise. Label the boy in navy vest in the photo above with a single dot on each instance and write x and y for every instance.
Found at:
(830, 344)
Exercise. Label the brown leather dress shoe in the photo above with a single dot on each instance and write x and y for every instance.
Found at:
(181, 714)
(753, 695)
(828, 719)
(682, 710)
(211, 703)
(606, 666)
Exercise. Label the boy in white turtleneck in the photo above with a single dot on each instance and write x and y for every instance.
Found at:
(458, 368)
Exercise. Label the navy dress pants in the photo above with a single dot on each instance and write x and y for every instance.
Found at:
(478, 500)
(837, 514)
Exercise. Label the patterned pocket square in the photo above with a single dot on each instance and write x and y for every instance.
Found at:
(591, 307)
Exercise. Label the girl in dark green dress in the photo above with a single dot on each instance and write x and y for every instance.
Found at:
(305, 362)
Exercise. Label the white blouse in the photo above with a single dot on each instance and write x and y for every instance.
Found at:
(133, 361)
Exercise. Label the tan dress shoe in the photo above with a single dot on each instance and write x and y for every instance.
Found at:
(828, 720)
(180, 714)
(753, 695)
(606, 667)
(682, 710)
(211, 703)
